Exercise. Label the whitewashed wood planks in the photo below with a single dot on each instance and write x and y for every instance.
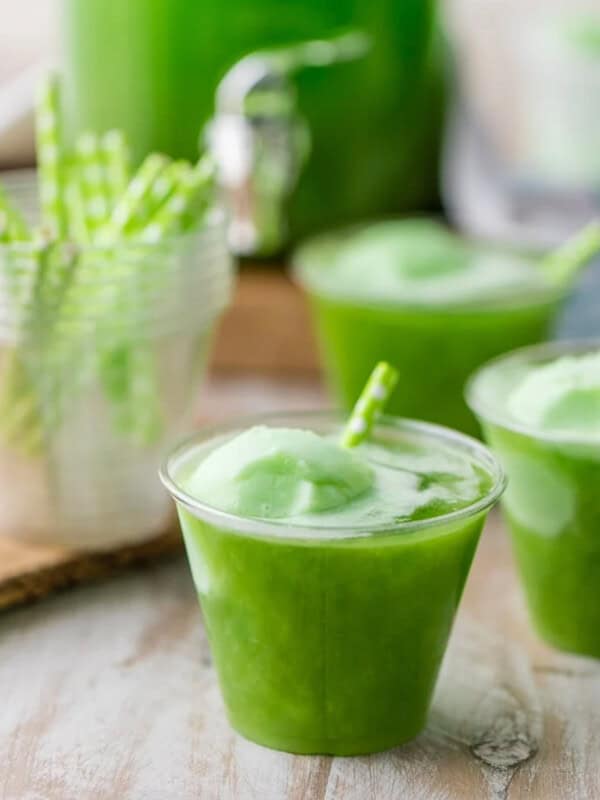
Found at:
(108, 692)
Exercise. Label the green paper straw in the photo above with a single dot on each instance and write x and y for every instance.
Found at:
(20, 421)
(563, 265)
(116, 160)
(200, 203)
(20, 413)
(74, 206)
(4, 234)
(12, 224)
(90, 171)
(50, 157)
(62, 262)
(161, 191)
(21, 264)
(134, 202)
(373, 398)
(192, 183)
(143, 411)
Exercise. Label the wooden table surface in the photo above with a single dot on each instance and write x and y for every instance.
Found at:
(108, 693)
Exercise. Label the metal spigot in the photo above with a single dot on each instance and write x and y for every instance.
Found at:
(259, 140)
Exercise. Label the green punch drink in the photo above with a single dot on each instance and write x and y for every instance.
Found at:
(540, 410)
(426, 300)
(329, 576)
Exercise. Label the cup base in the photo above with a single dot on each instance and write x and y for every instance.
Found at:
(366, 745)
(566, 645)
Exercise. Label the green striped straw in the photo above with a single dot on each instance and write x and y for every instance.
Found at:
(21, 264)
(369, 405)
(563, 265)
(161, 190)
(52, 386)
(76, 219)
(12, 224)
(63, 259)
(50, 157)
(141, 417)
(199, 204)
(192, 183)
(20, 419)
(20, 412)
(116, 162)
(90, 170)
(136, 198)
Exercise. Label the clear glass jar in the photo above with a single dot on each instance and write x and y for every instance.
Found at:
(102, 351)
(521, 156)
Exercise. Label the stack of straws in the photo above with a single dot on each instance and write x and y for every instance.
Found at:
(104, 234)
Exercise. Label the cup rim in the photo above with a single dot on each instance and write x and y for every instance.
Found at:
(303, 259)
(484, 412)
(284, 529)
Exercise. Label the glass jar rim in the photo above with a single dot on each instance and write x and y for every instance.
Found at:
(528, 356)
(285, 529)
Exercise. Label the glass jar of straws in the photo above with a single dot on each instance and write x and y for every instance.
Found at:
(107, 308)
(102, 350)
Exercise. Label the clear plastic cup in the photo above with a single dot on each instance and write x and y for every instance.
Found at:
(552, 503)
(101, 359)
(328, 640)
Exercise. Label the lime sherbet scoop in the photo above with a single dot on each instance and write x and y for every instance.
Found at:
(563, 395)
(279, 472)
